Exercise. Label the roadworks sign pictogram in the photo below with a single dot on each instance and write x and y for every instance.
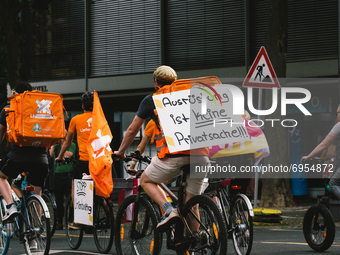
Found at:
(261, 73)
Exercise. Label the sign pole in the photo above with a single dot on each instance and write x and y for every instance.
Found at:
(261, 75)
(256, 188)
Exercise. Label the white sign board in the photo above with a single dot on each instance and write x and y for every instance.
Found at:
(83, 201)
(199, 117)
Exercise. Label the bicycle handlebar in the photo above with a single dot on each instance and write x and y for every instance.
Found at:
(137, 156)
(65, 161)
(313, 160)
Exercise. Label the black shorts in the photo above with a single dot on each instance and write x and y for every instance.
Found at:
(37, 171)
(79, 168)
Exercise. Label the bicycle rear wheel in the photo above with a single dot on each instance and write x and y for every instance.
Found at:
(319, 228)
(242, 227)
(4, 232)
(211, 229)
(38, 238)
(74, 236)
(103, 225)
(52, 207)
(141, 237)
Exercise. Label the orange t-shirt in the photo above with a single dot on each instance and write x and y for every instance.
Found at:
(82, 124)
(150, 130)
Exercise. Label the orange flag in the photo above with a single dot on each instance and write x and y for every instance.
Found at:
(98, 147)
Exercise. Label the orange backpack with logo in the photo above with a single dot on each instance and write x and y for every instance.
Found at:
(35, 119)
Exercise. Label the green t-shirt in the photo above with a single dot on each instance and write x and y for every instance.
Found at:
(64, 168)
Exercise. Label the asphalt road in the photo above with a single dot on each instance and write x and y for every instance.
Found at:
(267, 240)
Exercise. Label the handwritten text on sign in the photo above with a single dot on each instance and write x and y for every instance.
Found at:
(199, 118)
(83, 201)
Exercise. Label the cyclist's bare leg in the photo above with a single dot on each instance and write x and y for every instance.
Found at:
(5, 189)
(16, 190)
(37, 191)
(193, 224)
(153, 190)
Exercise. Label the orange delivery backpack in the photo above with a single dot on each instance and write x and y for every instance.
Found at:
(35, 118)
(184, 84)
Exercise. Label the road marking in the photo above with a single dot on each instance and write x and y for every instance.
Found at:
(291, 230)
(291, 243)
(65, 235)
(70, 251)
(284, 243)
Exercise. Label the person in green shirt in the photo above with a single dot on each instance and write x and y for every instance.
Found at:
(62, 179)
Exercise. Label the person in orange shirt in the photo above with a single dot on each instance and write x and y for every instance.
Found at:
(82, 125)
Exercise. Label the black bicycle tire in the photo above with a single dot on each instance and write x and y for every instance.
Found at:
(67, 220)
(250, 224)
(48, 198)
(208, 204)
(31, 200)
(111, 225)
(4, 228)
(151, 212)
(307, 227)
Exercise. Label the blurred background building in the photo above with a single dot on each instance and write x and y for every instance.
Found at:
(114, 46)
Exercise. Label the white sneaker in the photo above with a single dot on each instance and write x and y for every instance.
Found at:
(33, 244)
(10, 213)
(86, 177)
(167, 221)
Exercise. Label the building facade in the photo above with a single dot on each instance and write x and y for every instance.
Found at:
(114, 46)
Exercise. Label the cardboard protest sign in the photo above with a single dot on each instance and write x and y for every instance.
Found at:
(83, 201)
(199, 117)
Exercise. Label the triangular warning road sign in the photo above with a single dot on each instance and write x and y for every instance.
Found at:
(261, 73)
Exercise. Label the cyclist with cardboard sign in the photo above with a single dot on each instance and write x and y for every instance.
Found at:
(164, 166)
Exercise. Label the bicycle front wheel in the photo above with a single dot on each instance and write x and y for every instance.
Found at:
(74, 236)
(4, 232)
(319, 228)
(103, 225)
(242, 227)
(140, 236)
(52, 207)
(209, 226)
(38, 237)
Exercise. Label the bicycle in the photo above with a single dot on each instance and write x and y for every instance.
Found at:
(102, 229)
(318, 222)
(237, 212)
(138, 216)
(49, 200)
(31, 226)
